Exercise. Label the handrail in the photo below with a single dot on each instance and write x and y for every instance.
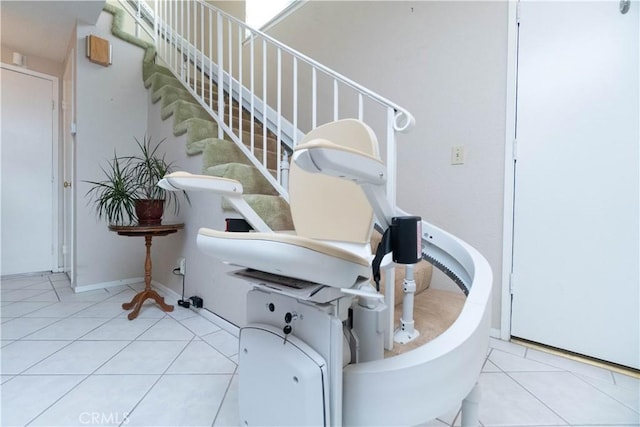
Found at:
(264, 79)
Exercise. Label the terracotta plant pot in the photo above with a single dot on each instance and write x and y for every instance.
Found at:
(149, 211)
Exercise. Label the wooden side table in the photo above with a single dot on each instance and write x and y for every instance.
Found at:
(148, 232)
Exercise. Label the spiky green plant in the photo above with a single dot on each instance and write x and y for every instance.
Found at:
(130, 178)
(114, 198)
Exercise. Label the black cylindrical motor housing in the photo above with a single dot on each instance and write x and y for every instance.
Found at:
(406, 239)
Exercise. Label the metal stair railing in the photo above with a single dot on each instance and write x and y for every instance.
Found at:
(267, 81)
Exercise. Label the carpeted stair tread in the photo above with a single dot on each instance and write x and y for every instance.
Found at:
(220, 151)
(435, 311)
(157, 80)
(253, 182)
(168, 94)
(150, 68)
(198, 131)
(273, 210)
(183, 110)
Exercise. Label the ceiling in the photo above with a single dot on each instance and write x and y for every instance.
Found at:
(44, 28)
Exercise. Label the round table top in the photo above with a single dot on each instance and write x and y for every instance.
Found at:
(146, 230)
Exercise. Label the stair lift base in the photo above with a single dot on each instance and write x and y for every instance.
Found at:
(299, 372)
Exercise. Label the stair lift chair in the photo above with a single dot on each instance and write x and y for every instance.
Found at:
(312, 352)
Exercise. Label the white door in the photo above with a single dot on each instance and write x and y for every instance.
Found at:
(68, 132)
(576, 214)
(27, 121)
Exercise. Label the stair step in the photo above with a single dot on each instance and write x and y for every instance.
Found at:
(149, 68)
(219, 151)
(197, 130)
(253, 182)
(157, 80)
(183, 110)
(274, 210)
(168, 94)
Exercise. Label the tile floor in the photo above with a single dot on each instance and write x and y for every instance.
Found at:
(75, 360)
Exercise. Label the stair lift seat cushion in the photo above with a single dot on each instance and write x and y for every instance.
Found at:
(288, 255)
(331, 208)
(332, 217)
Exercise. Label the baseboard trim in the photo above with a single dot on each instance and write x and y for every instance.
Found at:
(611, 366)
(495, 333)
(107, 285)
(209, 315)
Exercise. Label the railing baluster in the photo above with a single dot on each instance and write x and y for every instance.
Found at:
(156, 12)
(295, 101)
(279, 118)
(182, 41)
(240, 85)
(174, 24)
(230, 48)
(314, 97)
(194, 46)
(137, 26)
(163, 19)
(335, 100)
(189, 44)
(202, 27)
(264, 102)
(220, 77)
(253, 107)
(210, 59)
(391, 157)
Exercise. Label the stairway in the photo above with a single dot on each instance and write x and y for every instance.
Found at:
(220, 157)
(435, 310)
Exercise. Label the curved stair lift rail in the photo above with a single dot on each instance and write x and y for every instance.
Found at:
(423, 383)
(415, 386)
(426, 382)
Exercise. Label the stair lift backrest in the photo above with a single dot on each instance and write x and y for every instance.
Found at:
(330, 208)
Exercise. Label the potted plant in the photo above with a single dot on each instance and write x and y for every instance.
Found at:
(129, 193)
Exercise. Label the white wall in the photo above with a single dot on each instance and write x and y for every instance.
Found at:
(111, 110)
(205, 277)
(35, 63)
(446, 62)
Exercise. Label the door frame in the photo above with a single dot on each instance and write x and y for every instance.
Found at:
(67, 171)
(509, 168)
(510, 161)
(56, 261)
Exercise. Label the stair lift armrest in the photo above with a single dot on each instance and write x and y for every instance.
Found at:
(322, 156)
(228, 188)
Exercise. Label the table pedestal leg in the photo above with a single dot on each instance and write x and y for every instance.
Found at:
(139, 299)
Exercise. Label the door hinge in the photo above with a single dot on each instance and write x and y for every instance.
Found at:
(518, 12)
(514, 148)
(512, 286)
